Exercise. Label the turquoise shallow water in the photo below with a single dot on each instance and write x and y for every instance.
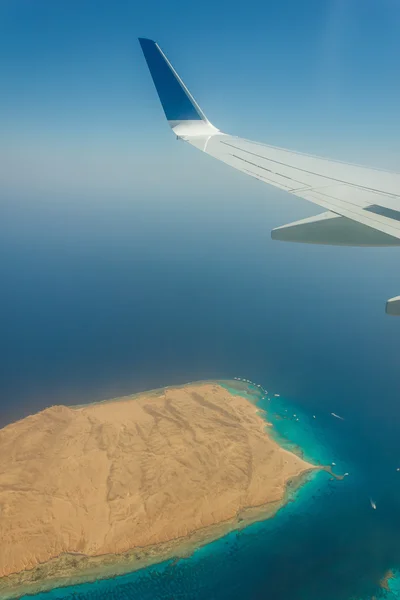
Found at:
(394, 586)
(323, 544)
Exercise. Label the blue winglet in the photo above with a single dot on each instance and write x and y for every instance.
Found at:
(176, 100)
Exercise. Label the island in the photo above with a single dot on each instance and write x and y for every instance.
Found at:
(97, 490)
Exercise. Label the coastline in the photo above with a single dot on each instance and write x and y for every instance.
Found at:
(73, 568)
(157, 392)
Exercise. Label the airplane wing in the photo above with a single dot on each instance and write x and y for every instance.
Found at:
(362, 205)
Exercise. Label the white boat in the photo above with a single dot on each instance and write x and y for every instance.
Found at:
(372, 504)
(337, 416)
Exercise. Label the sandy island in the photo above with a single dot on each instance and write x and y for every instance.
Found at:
(98, 490)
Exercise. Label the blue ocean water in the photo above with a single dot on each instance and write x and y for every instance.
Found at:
(100, 300)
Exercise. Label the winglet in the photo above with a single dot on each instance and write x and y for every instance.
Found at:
(183, 113)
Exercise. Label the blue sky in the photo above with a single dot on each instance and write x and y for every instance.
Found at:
(79, 115)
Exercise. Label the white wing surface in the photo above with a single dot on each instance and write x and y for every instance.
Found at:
(362, 204)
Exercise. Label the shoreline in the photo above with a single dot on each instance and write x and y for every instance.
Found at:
(49, 576)
(71, 568)
(156, 392)
(159, 391)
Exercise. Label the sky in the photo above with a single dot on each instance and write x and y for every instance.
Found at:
(79, 115)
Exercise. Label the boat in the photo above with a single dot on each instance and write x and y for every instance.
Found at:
(337, 416)
(372, 504)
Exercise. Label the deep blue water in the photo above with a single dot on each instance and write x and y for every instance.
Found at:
(107, 297)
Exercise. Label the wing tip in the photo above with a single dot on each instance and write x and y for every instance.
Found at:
(144, 40)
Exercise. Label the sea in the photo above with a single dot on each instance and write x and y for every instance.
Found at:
(111, 296)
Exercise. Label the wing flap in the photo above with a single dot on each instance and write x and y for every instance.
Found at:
(331, 229)
(393, 306)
